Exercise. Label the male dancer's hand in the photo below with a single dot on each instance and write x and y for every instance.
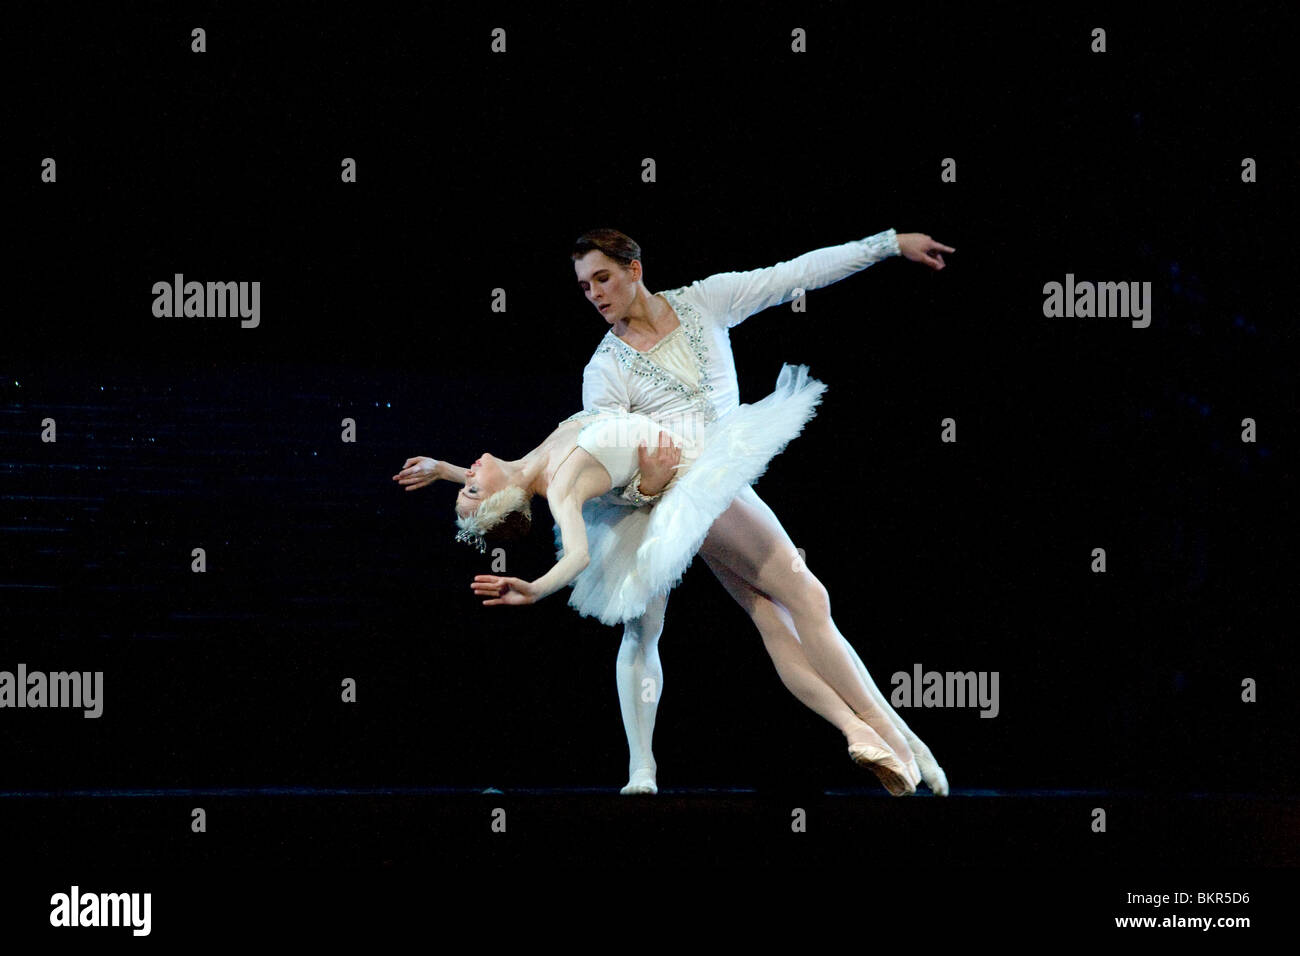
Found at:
(657, 465)
(919, 247)
(418, 472)
(504, 590)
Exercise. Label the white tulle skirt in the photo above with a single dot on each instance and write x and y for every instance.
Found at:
(637, 553)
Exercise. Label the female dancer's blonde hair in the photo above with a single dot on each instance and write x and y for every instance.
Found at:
(504, 516)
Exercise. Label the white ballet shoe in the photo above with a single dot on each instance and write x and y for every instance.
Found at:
(889, 770)
(931, 772)
(641, 781)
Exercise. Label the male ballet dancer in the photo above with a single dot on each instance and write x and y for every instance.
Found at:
(668, 356)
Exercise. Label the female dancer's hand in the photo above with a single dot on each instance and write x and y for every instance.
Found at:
(919, 247)
(503, 590)
(657, 465)
(419, 472)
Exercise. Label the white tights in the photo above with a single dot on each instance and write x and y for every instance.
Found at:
(757, 563)
(640, 682)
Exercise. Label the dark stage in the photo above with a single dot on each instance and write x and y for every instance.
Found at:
(1143, 735)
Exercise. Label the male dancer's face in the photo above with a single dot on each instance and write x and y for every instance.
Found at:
(608, 285)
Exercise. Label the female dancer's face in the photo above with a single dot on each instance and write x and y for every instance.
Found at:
(483, 479)
(609, 286)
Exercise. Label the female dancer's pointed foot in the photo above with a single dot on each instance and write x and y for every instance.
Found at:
(931, 772)
(641, 781)
(884, 763)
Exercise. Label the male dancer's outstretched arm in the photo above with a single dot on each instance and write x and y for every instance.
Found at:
(738, 295)
(730, 298)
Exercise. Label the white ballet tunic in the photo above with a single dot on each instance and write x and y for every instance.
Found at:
(687, 384)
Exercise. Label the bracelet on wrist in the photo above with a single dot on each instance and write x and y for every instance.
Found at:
(633, 494)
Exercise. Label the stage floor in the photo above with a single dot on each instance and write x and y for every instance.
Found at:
(288, 825)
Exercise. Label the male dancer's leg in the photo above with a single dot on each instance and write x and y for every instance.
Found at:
(749, 541)
(640, 682)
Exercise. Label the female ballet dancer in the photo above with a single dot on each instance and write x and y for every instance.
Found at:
(669, 356)
(623, 560)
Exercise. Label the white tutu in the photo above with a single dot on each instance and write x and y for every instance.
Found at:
(637, 553)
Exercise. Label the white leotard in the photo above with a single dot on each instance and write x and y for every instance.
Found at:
(614, 440)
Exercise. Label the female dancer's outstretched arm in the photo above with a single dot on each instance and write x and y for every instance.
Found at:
(420, 471)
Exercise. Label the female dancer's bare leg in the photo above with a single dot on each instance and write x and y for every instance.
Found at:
(749, 541)
(782, 645)
(640, 679)
(640, 683)
(802, 680)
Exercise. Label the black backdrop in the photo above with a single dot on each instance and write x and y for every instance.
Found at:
(476, 171)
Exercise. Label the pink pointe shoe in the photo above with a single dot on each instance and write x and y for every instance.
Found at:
(894, 775)
(923, 766)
